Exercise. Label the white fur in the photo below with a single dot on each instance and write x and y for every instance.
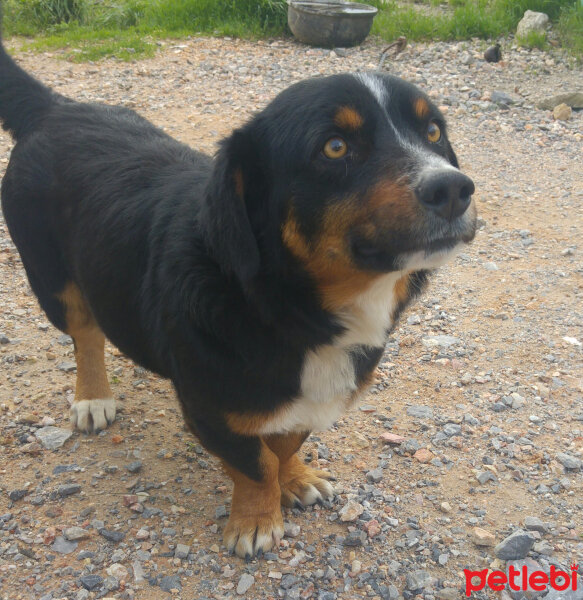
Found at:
(93, 415)
(328, 379)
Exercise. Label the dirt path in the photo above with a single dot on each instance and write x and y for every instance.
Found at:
(484, 375)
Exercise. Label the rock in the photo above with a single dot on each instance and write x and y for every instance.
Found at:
(374, 475)
(423, 455)
(118, 571)
(493, 54)
(350, 511)
(75, 533)
(372, 528)
(481, 537)
(502, 98)
(53, 437)
(134, 467)
(291, 530)
(570, 463)
(91, 582)
(170, 582)
(63, 546)
(245, 582)
(562, 112)
(532, 21)
(572, 99)
(392, 438)
(439, 341)
(420, 412)
(355, 538)
(112, 536)
(68, 489)
(181, 551)
(515, 546)
(535, 524)
(418, 580)
(139, 573)
(16, 495)
(220, 511)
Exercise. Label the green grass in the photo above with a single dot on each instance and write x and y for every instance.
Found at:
(533, 39)
(126, 29)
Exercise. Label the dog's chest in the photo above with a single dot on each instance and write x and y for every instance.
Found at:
(332, 374)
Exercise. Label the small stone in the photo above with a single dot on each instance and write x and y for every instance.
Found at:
(74, 534)
(481, 537)
(245, 582)
(515, 546)
(68, 489)
(359, 440)
(350, 511)
(374, 475)
(490, 266)
(423, 455)
(570, 463)
(291, 530)
(134, 467)
(63, 546)
(572, 99)
(181, 551)
(420, 412)
(118, 571)
(139, 573)
(355, 538)
(91, 582)
(445, 507)
(562, 112)
(418, 580)
(441, 341)
(53, 437)
(67, 366)
(484, 476)
(372, 528)
(16, 495)
(501, 98)
(535, 524)
(220, 511)
(170, 582)
(112, 536)
(392, 438)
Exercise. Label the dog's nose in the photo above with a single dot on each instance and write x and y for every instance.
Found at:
(445, 192)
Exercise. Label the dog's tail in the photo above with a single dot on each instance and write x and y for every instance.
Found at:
(24, 101)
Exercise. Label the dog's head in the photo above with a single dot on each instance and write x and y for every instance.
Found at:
(349, 177)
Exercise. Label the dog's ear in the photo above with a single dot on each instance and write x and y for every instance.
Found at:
(230, 203)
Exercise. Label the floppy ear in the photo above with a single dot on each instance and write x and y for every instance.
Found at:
(230, 200)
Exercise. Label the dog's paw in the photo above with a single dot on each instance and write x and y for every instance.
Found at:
(92, 415)
(301, 485)
(250, 534)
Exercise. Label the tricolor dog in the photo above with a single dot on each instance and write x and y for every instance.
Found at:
(262, 282)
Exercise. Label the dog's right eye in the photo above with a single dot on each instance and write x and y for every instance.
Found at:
(335, 148)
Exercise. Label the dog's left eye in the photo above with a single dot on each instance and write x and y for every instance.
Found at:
(335, 147)
(433, 132)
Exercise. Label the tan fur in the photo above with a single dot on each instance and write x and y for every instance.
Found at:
(89, 343)
(348, 118)
(421, 108)
(256, 522)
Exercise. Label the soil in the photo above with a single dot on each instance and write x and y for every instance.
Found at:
(502, 395)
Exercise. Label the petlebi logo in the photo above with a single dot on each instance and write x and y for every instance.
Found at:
(521, 579)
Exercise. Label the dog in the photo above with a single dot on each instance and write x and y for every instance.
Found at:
(263, 282)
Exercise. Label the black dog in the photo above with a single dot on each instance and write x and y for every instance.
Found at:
(263, 283)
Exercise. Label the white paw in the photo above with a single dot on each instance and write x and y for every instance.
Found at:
(92, 415)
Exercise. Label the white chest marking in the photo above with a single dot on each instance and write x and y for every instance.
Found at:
(328, 379)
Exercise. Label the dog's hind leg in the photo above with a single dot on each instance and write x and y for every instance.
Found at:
(94, 407)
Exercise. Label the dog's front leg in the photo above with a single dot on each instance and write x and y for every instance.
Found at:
(255, 523)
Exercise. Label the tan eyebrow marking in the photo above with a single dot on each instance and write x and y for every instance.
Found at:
(421, 108)
(348, 118)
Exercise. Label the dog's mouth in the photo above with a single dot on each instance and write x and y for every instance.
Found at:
(429, 248)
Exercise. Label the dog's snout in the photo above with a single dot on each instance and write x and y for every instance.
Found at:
(445, 192)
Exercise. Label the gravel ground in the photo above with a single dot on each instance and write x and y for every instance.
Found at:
(473, 430)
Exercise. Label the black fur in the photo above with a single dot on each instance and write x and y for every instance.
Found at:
(180, 256)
